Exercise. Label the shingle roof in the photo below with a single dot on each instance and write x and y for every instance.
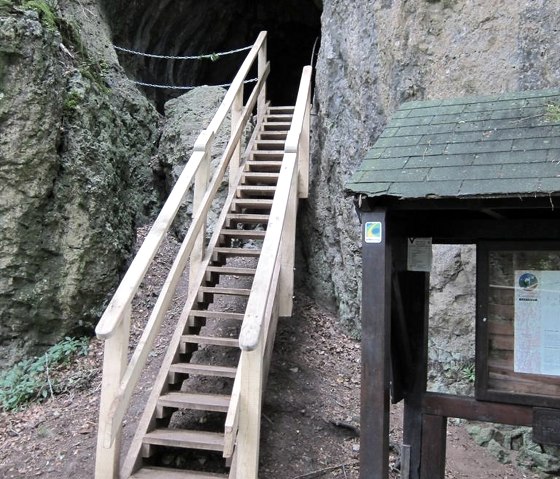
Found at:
(490, 146)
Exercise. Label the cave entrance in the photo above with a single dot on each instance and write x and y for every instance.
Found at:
(193, 28)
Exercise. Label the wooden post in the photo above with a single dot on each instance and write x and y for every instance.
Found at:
(203, 146)
(236, 114)
(114, 365)
(415, 287)
(434, 432)
(376, 334)
(303, 153)
(287, 254)
(262, 61)
(248, 438)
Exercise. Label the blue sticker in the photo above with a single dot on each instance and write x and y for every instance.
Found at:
(373, 232)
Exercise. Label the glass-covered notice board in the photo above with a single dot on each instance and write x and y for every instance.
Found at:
(518, 323)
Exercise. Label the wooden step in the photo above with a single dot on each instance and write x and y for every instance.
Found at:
(263, 166)
(210, 340)
(198, 402)
(266, 155)
(246, 234)
(257, 190)
(225, 291)
(250, 177)
(165, 473)
(273, 135)
(231, 271)
(247, 218)
(252, 203)
(269, 145)
(277, 126)
(237, 251)
(281, 109)
(186, 439)
(215, 314)
(278, 118)
(203, 370)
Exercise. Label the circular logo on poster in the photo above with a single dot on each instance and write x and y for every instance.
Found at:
(528, 281)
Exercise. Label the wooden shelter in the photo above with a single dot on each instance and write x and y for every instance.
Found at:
(483, 171)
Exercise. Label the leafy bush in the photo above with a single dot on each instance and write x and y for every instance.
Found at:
(30, 379)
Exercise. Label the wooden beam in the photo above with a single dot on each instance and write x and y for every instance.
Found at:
(376, 331)
(416, 287)
(448, 405)
(434, 442)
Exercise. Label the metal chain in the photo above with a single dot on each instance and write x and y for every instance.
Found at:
(209, 56)
(175, 87)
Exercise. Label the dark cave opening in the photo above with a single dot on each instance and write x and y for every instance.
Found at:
(192, 27)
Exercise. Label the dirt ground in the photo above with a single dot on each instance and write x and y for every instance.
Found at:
(310, 421)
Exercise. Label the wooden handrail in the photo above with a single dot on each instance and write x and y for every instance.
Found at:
(138, 360)
(270, 294)
(237, 83)
(120, 379)
(137, 270)
(256, 305)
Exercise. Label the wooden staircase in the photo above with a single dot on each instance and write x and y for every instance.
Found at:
(202, 419)
(196, 386)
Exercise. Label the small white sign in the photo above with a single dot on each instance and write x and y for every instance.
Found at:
(419, 256)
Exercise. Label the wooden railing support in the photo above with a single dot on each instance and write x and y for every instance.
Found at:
(250, 414)
(114, 365)
(236, 113)
(262, 62)
(203, 146)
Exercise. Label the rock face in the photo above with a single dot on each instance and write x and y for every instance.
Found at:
(75, 146)
(376, 55)
(185, 117)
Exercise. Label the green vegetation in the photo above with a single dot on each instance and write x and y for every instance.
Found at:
(553, 113)
(31, 379)
(6, 5)
(469, 373)
(46, 11)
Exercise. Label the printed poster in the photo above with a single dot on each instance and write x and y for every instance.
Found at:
(537, 322)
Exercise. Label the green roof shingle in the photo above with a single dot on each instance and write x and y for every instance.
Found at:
(479, 146)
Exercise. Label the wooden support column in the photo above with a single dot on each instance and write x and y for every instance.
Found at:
(114, 365)
(203, 146)
(376, 335)
(236, 114)
(261, 65)
(434, 432)
(415, 287)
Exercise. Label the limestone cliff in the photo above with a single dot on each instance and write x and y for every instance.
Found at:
(75, 145)
(376, 55)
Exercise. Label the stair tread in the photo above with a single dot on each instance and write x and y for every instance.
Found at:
(237, 251)
(251, 234)
(267, 188)
(223, 290)
(252, 202)
(211, 441)
(230, 270)
(165, 473)
(216, 314)
(204, 402)
(248, 218)
(210, 340)
(203, 369)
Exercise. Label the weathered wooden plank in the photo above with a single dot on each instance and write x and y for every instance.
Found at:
(210, 441)
(200, 402)
(165, 473)
(434, 432)
(203, 370)
(447, 405)
(376, 333)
